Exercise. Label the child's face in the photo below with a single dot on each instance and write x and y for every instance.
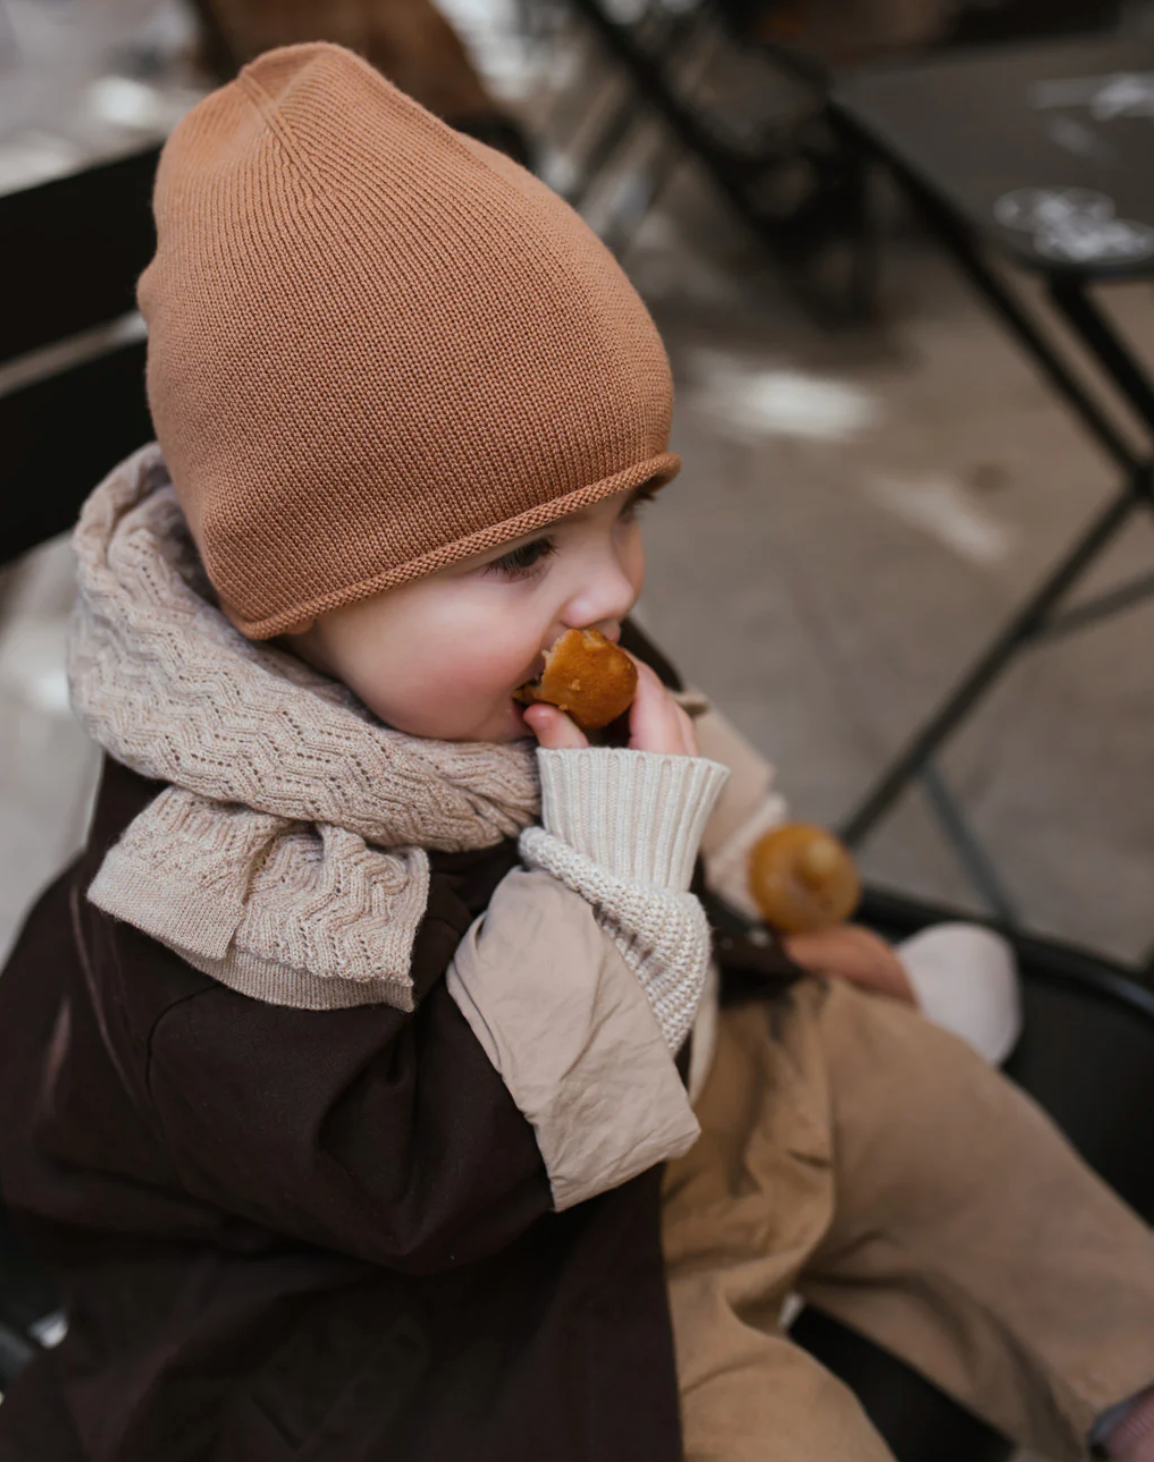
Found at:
(441, 657)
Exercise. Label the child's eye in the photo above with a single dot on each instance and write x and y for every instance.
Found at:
(642, 496)
(519, 563)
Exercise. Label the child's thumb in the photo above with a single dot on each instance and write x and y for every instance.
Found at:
(553, 729)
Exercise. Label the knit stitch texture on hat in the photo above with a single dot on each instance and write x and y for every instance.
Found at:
(376, 346)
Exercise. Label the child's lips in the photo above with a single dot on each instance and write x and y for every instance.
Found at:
(535, 673)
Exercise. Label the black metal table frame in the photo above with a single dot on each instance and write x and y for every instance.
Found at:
(735, 177)
(1041, 616)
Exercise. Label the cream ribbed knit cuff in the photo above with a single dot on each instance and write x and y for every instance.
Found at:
(622, 829)
(638, 815)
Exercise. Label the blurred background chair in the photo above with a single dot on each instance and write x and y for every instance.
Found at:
(71, 250)
(410, 41)
(752, 116)
(741, 88)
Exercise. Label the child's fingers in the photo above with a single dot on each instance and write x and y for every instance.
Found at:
(645, 714)
(553, 729)
(656, 722)
(855, 954)
(688, 731)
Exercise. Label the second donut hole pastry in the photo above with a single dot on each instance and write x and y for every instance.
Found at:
(587, 676)
(803, 878)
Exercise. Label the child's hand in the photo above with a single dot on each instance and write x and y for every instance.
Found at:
(553, 728)
(856, 955)
(656, 722)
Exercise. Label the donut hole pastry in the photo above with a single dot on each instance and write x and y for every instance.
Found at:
(802, 878)
(587, 677)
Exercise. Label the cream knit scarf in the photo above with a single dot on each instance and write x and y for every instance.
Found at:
(287, 856)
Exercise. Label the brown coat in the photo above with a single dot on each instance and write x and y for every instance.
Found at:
(320, 1233)
(310, 1234)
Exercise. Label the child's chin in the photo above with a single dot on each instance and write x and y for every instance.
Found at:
(512, 726)
(502, 728)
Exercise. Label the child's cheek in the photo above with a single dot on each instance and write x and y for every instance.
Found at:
(468, 671)
(490, 669)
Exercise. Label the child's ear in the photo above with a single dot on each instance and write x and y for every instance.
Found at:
(303, 641)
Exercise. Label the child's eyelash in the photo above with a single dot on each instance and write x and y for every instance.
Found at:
(519, 563)
(642, 496)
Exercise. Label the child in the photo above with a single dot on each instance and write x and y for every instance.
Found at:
(342, 1074)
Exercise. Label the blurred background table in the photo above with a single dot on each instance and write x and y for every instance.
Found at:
(1039, 155)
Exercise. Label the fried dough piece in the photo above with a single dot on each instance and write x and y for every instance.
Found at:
(587, 677)
(802, 878)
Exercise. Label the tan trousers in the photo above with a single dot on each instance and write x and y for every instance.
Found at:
(856, 1154)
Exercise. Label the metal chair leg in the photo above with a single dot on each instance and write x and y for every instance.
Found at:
(975, 861)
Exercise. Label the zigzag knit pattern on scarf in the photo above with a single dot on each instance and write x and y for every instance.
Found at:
(287, 856)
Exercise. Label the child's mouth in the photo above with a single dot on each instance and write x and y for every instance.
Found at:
(535, 672)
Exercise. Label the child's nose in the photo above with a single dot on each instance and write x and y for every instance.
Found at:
(602, 602)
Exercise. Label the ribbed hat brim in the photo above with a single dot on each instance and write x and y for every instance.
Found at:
(658, 470)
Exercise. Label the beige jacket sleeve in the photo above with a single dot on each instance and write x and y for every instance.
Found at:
(584, 975)
(567, 1024)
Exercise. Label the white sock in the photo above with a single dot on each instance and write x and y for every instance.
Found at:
(966, 980)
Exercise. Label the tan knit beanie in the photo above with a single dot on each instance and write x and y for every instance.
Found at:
(377, 346)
